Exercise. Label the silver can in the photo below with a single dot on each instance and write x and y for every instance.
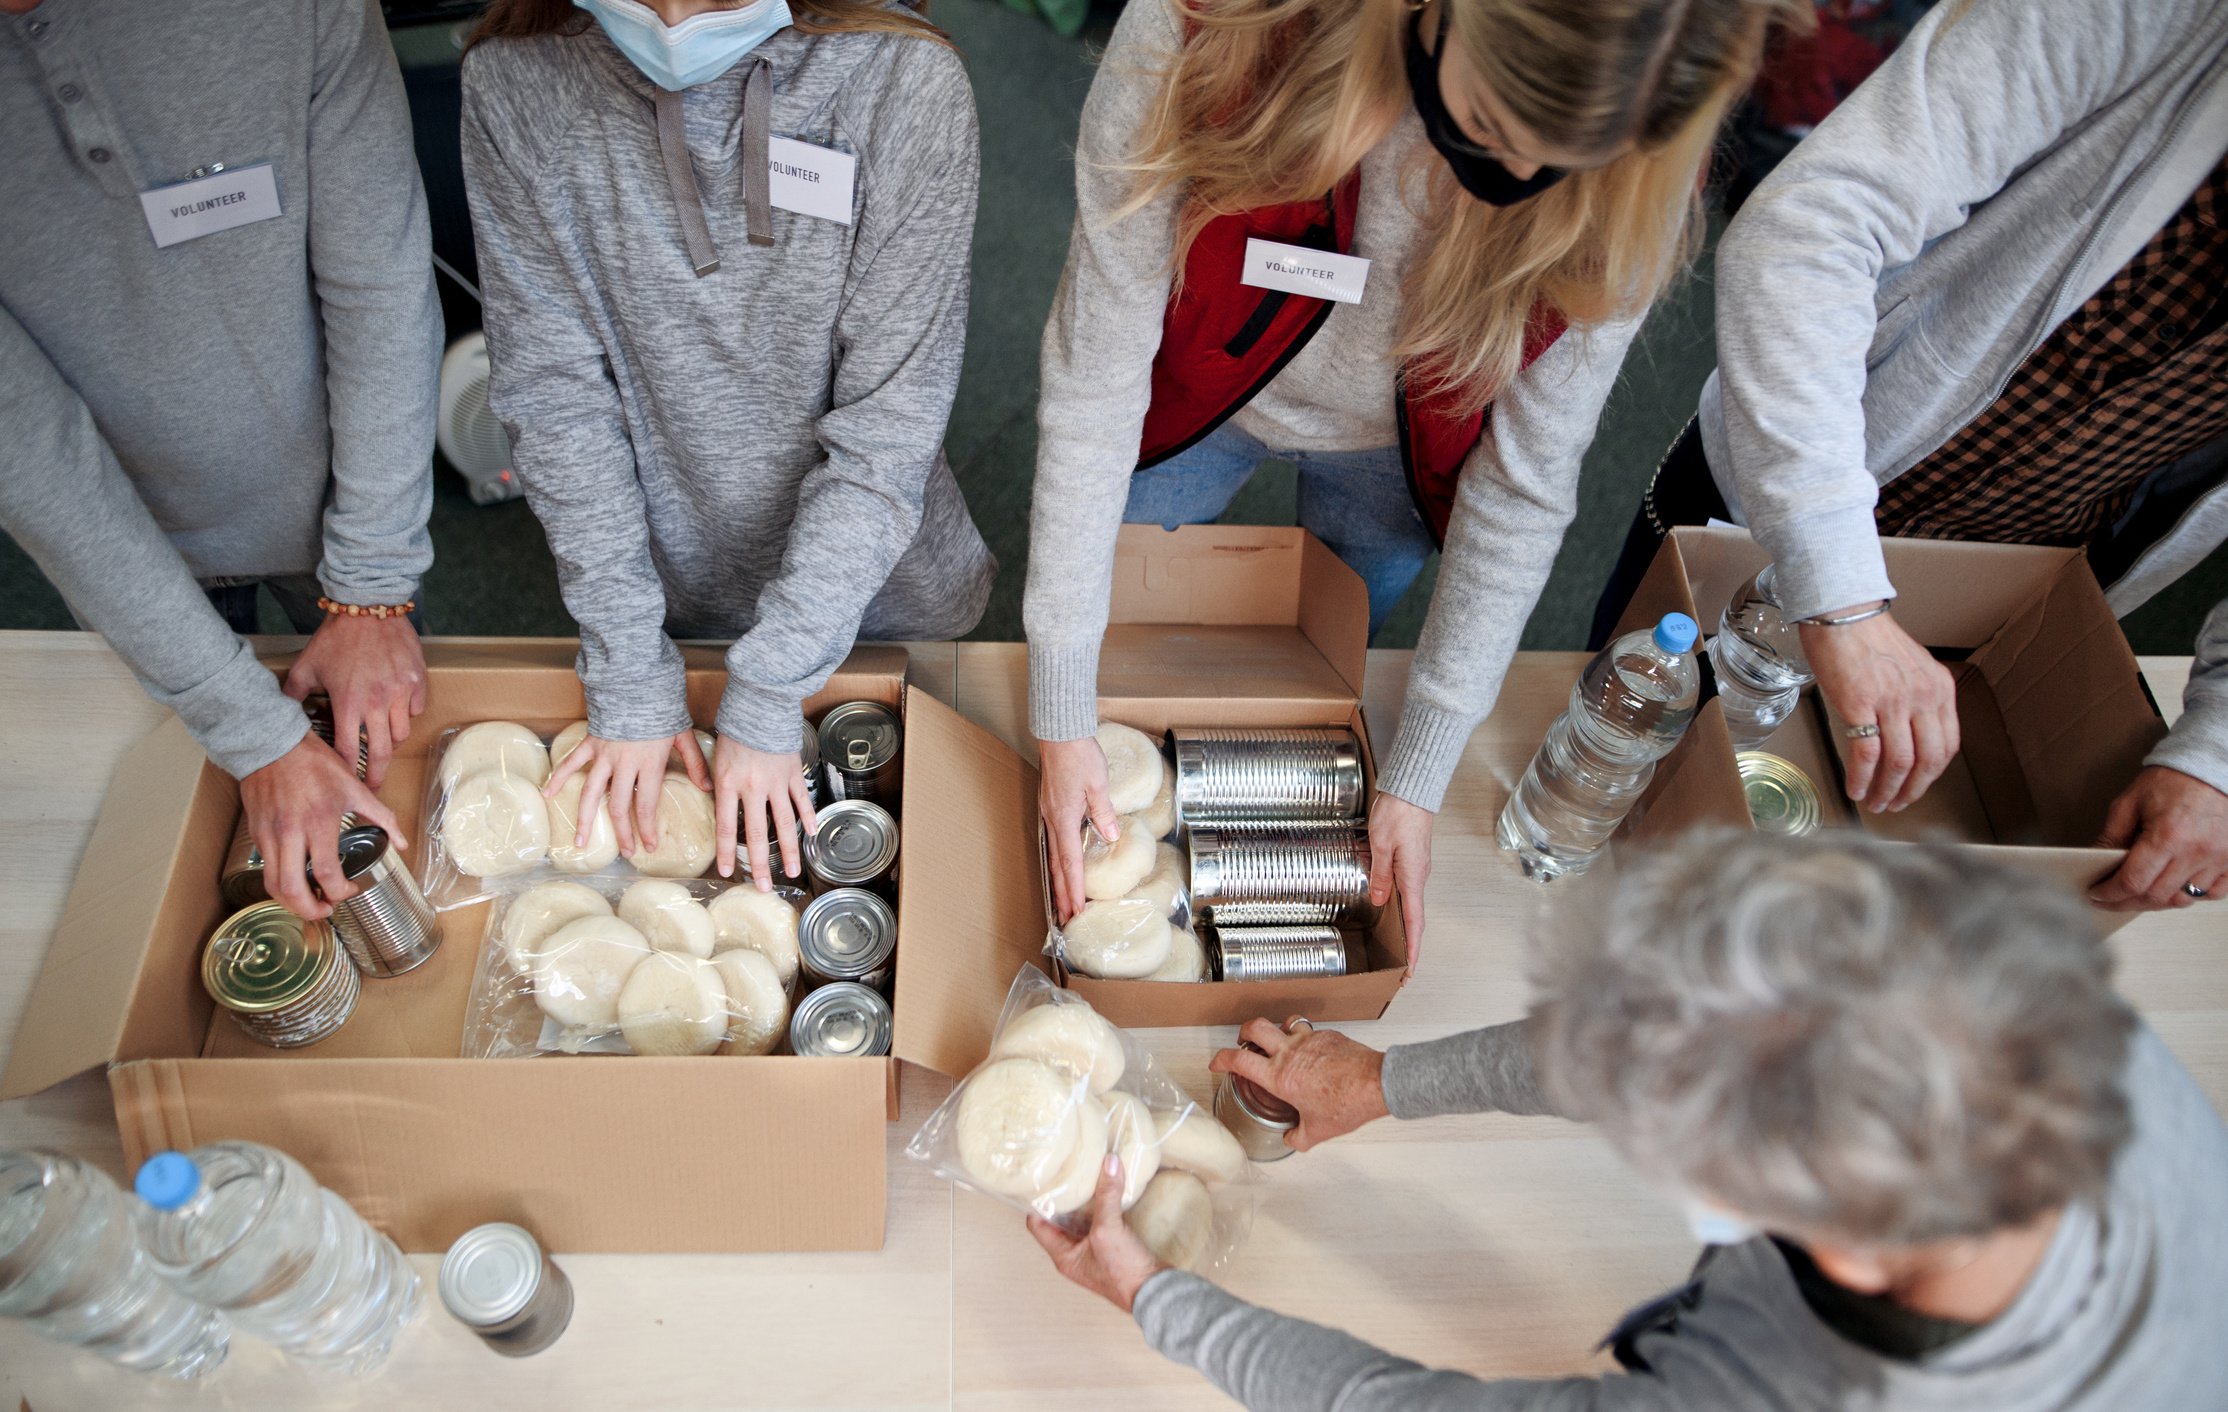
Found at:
(1329, 868)
(855, 845)
(240, 880)
(1312, 772)
(1257, 1118)
(286, 982)
(387, 926)
(845, 1020)
(319, 709)
(1276, 914)
(861, 747)
(1280, 953)
(498, 1282)
(848, 934)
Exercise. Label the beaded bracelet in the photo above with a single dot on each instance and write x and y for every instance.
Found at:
(368, 610)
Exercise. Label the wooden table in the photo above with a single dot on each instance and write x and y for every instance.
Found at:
(1504, 1246)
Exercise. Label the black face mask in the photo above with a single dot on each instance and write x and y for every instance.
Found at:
(1479, 173)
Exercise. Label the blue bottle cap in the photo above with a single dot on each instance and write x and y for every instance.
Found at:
(1676, 633)
(167, 1180)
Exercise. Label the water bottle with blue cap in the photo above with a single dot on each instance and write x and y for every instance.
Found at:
(247, 1230)
(1629, 707)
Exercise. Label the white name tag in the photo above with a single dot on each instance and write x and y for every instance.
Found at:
(812, 181)
(189, 210)
(1295, 269)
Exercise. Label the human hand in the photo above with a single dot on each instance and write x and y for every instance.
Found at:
(1400, 856)
(1874, 673)
(373, 671)
(631, 772)
(1336, 1083)
(294, 807)
(2175, 829)
(1108, 1260)
(759, 781)
(1072, 775)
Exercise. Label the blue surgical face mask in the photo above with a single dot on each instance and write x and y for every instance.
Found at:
(1712, 1226)
(698, 49)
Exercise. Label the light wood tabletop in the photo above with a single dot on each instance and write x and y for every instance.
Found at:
(1502, 1246)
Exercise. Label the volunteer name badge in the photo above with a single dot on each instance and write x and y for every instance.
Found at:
(812, 181)
(188, 210)
(1295, 269)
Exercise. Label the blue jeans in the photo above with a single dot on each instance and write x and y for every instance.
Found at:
(1357, 502)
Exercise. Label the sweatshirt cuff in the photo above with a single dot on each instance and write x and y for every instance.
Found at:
(1425, 751)
(648, 701)
(762, 718)
(1161, 1306)
(239, 716)
(1829, 560)
(2198, 744)
(1404, 1078)
(1064, 689)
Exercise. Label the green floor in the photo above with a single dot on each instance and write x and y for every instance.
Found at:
(492, 572)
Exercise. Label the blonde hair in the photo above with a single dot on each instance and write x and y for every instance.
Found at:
(1272, 101)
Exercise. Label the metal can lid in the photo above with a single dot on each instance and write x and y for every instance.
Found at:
(361, 848)
(855, 840)
(264, 958)
(846, 933)
(1781, 798)
(859, 735)
(491, 1274)
(841, 1020)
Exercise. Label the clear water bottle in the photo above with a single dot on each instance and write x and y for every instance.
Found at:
(1630, 706)
(71, 1269)
(247, 1230)
(1758, 657)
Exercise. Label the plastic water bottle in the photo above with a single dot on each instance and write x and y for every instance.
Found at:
(1630, 706)
(247, 1230)
(1758, 657)
(71, 1269)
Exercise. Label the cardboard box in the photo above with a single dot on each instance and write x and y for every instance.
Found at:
(592, 1153)
(2054, 717)
(1230, 625)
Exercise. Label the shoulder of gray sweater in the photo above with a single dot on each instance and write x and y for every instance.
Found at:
(528, 93)
(901, 94)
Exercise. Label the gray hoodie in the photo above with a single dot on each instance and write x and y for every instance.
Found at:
(755, 454)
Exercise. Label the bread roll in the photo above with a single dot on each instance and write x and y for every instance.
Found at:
(564, 826)
(1133, 766)
(1017, 1125)
(495, 825)
(684, 847)
(1132, 1135)
(1187, 959)
(668, 917)
(564, 742)
(705, 741)
(1168, 885)
(535, 914)
(1175, 1218)
(757, 1001)
(673, 1004)
(1122, 940)
(1111, 869)
(583, 967)
(1074, 1039)
(1192, 1139)
(503, 746)
(765, 922)
(1160, 815)
(1078, 1178)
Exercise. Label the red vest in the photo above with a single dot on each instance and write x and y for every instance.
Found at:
(1221, 342)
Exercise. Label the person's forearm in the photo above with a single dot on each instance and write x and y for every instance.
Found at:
(2198, 744)
(1477, 1071)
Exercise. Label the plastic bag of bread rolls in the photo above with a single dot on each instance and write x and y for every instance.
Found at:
(628, 965)
(1060, 1089)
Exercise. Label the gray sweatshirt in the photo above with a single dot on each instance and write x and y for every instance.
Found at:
(755, 454)
(1517, 492)
(2122, 1315)
(1882, 286)
(256, 402)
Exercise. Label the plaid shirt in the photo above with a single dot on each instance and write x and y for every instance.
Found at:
(2133, 380)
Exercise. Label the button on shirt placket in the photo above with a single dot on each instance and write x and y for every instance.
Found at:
(83, 118)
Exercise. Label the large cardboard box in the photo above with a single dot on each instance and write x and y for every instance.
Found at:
(1236, 625)
(2054, 716)
(592, 1153)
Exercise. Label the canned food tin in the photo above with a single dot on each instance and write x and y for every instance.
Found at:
(1280, 953)
(240, 881)
(1781, 798)
(1329, 868)
(847, 934)
(1305, 773)
(844, 1020)
(808, 753)
(499, 1283)
(855, 845)
(860, 746)
(1284, 914)
(387, 926)
(319, 709)
(1257, 1118)
(285, 981)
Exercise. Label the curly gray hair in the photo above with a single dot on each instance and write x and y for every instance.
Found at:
(1840, 1036)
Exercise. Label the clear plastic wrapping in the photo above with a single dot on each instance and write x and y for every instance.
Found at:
(1032, 1125)
(615, 965)
(1120, 941)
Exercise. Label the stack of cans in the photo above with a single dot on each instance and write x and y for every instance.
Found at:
(286, 982)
